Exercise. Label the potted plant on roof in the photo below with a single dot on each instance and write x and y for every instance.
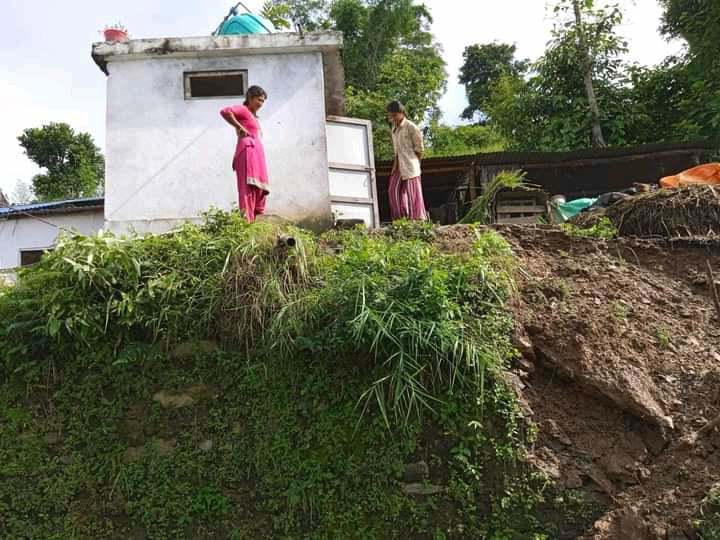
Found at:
(115, 33)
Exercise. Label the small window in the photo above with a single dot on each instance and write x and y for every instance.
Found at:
(32, 256)
(215, 84)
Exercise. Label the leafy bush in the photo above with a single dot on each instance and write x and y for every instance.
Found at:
(482, 210)
(385, 321)
(708, 519)
(426, 320)
(603, 229)
(103, 291)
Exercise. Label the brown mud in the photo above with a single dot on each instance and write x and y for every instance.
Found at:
(620, 366)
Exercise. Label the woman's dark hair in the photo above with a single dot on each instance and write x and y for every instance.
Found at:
(396, 107)
(254, 91)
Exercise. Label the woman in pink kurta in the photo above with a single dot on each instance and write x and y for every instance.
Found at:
(249, 160)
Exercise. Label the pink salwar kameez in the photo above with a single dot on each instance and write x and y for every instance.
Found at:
(406, 198)
(249, 164)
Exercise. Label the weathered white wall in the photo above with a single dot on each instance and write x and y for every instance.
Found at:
(169, 158)
(26, 233)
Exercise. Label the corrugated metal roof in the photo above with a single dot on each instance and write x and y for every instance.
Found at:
(551, 158)
(66, 206)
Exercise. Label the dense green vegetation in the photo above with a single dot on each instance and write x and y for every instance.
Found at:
(73, 165)
(708, 518)
(544, 105)
(604, 229)
(208, 384)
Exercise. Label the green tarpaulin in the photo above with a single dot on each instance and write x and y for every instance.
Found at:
(571, 209)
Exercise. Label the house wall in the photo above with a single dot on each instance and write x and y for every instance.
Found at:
(26, 233)
(169, 159)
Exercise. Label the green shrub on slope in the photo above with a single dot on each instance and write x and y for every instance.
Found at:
(325, 347)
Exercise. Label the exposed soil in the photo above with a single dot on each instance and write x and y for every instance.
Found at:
(620, 368)
(621, 365)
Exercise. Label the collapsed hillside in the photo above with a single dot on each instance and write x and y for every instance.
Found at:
(621, 368)
(360, 386)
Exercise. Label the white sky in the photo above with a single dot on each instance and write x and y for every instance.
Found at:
(46, 73)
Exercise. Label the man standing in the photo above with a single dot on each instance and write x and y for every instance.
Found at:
(406, 198)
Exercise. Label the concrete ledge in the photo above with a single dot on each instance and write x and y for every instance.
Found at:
(324, 42)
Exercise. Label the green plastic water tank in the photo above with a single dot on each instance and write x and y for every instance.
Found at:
(247, 23)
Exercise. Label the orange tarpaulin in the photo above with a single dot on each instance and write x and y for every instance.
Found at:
(702, 174)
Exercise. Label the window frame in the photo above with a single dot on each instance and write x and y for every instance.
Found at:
(187, 87)
(41, 250)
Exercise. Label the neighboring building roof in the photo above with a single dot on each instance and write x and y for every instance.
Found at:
(580, 173)
(55, 207)
(328, 43)
(552, 158)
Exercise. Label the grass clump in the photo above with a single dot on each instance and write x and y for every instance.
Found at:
(331, 370)
(104, 291)
(707, 521)
(483, 208)
(602, 229)
(425, 320)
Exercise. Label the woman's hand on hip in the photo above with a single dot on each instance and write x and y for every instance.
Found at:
(242, 132)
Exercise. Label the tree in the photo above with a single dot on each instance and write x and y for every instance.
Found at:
(586, 65)
(696, 22)
(278, 13)
(445, 140)
(550, 110)
(698, 100)
(74, 165)
(305, 15)
(590, 29)
(484, 64)
(389, 54)
(23, 193)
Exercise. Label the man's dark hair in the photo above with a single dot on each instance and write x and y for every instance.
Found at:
(396, 107)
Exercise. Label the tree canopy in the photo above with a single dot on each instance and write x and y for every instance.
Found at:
(549, 107)
(482, 65)
(389, 53)
(73, 163)
(695, 77)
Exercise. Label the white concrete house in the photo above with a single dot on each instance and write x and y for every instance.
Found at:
(169, 153)
(27, 231)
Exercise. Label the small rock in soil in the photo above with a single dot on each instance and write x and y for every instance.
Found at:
(416, 472)
(206, 446)
(552, 428)
(132, 454)
(188, 349)
(525, 365)
(572, 480)
(627, 524)
(183, 398)
(53, 438)
(421, 489)
(522, 342)
(165, 447)
(173, 401)
(675, 533)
